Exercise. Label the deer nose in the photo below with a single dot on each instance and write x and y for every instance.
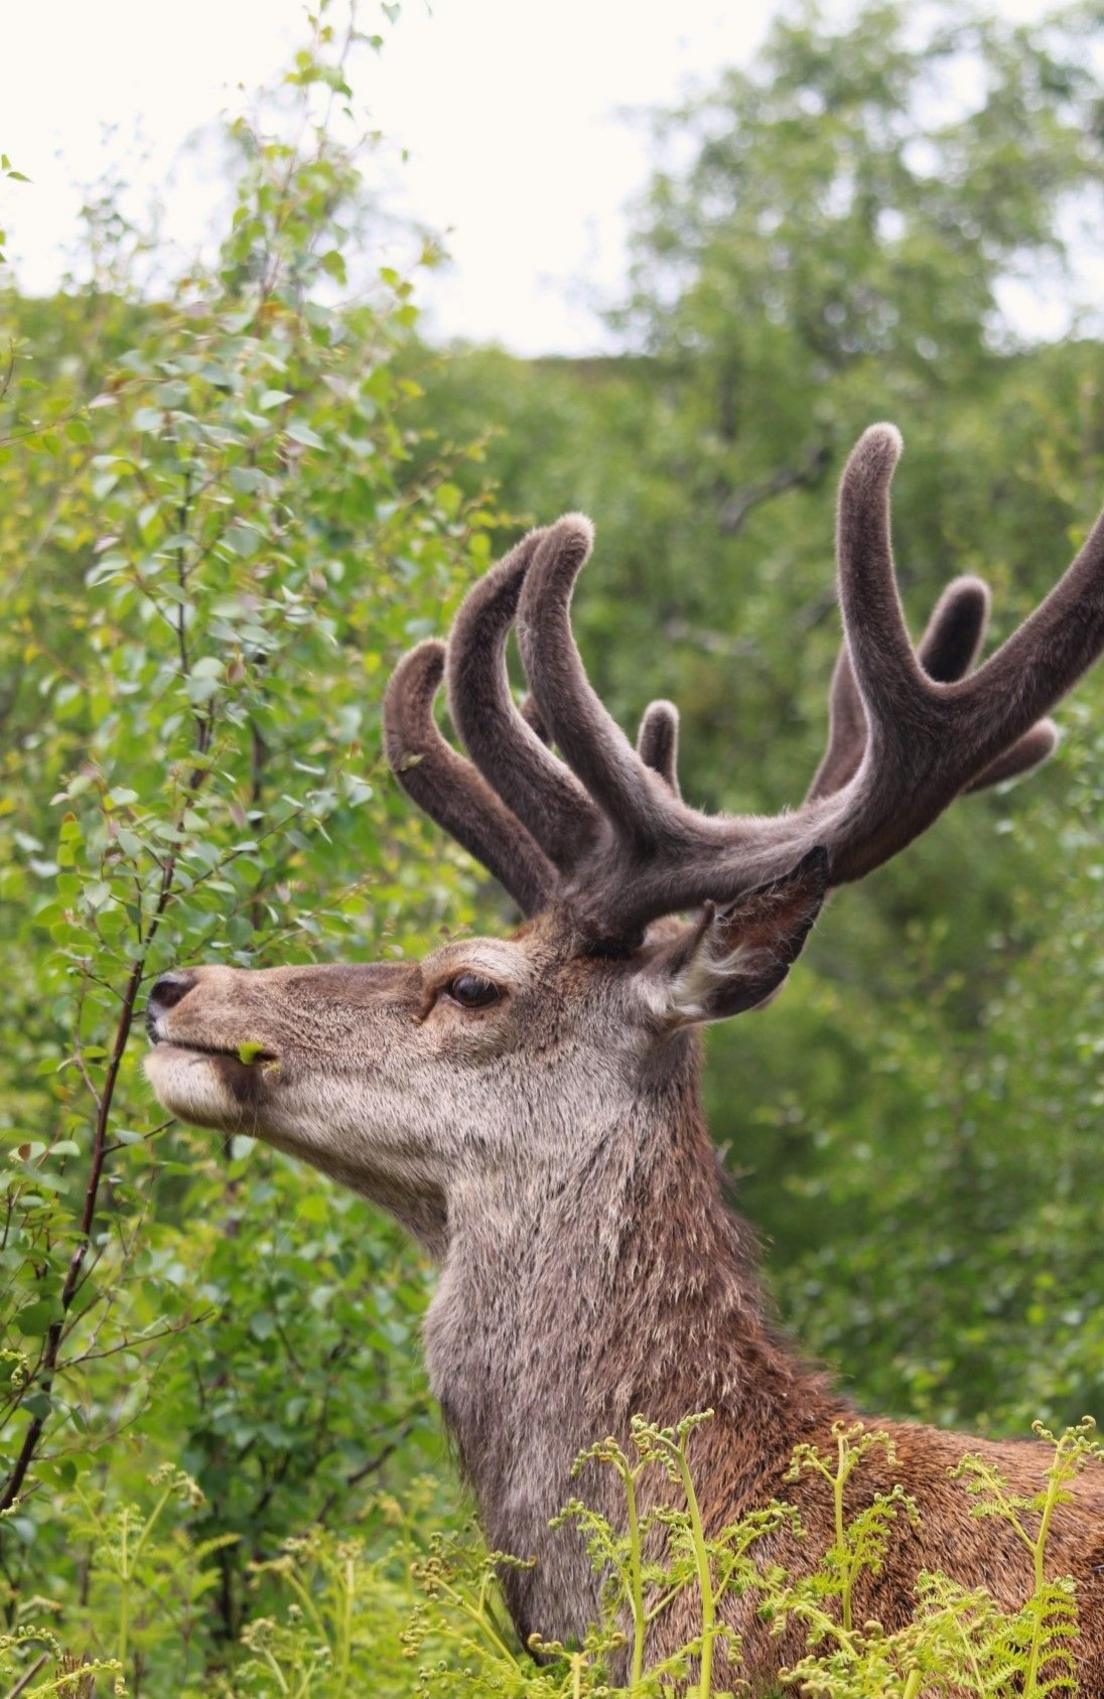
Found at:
(165, 993)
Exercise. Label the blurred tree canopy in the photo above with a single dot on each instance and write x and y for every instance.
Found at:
(225, 512)
(915, 1123)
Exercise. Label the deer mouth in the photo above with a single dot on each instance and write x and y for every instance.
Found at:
(201, 1082)
(248, 1055)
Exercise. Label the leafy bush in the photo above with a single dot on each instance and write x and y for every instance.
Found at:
(215, 542)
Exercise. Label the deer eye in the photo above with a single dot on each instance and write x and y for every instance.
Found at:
(472, 991)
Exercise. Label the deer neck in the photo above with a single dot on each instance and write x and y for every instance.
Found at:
(570, 1301)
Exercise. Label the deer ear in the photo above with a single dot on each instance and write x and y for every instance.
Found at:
(737, 957)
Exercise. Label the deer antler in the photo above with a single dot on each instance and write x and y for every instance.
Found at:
(947, 651)
(450, 790)
(604, 834)
(656, 737)
(657, 741)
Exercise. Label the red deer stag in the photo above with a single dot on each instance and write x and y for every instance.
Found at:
(530, 1109)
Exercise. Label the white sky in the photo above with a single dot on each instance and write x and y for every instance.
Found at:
(513, 112)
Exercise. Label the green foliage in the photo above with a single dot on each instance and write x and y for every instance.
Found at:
(959, 1641)
(146, 1576)
(859, 1545)
(711, 1567)
(200, 612)
(343, 1623)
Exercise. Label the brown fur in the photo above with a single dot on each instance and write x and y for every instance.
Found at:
(547, 1145)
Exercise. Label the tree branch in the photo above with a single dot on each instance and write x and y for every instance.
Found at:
(736, 509)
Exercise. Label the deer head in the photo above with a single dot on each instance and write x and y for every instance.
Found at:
(412, 1081)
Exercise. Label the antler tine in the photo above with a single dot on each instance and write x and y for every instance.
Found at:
(506, 747)
(885, 666)
(531, 714)
(1029, 751)
(927, 739)
(846, 732)
(657, 742)
(656, 737)
(955, 631)
(947, 650)
(1045, 656)
(450, 790)
(593, 744)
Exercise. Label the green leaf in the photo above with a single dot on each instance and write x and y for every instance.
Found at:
(243, 539)
(299, 431)
(34, 1320)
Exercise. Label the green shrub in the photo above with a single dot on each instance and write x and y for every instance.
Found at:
(215, 541)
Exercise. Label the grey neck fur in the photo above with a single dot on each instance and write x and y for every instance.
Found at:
(569, 1302)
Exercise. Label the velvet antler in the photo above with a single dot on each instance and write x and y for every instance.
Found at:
(947, 652)
(603, 832)
(450, 790)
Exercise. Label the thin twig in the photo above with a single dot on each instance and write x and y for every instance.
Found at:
(27, 1677)
(740, 503)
